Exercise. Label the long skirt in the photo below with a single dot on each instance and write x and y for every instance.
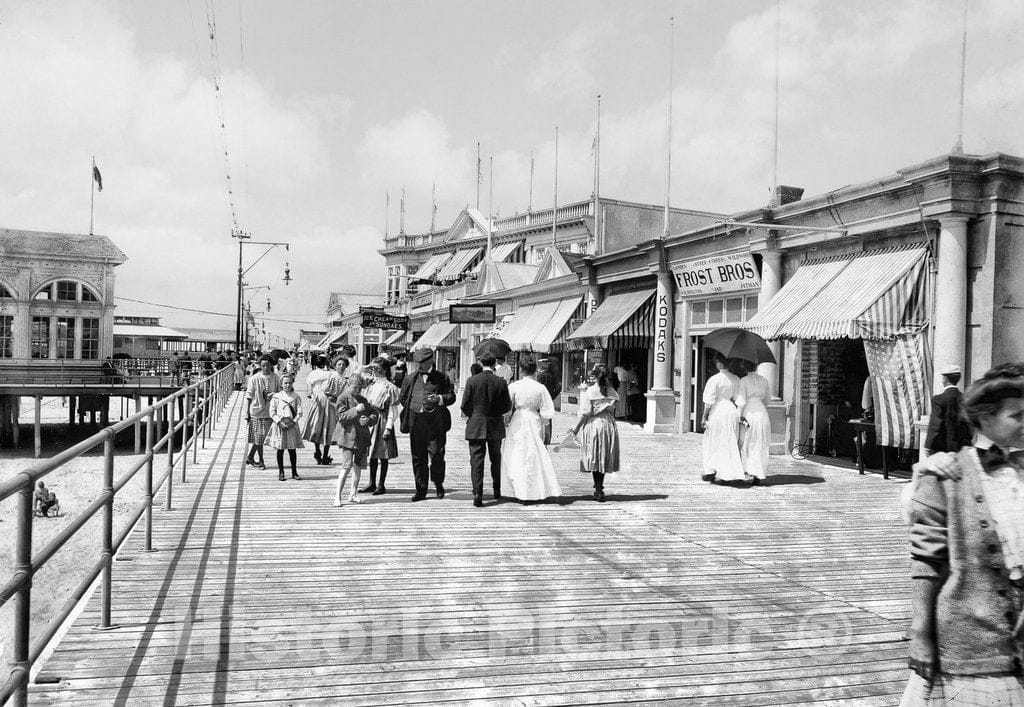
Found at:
(526, 469)
(317, 424)
(963, 691)
(755, 439)
(284, 438)
(721, 445)
(599, 444)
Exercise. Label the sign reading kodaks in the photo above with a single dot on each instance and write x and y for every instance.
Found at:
(716, 274)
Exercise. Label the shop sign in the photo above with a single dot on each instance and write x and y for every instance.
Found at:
(471, 313)
(717, 274)
(379, 320)
(661, 333)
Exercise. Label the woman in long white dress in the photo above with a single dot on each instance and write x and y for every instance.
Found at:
(526, 469)
(721, 423)
(755, 435)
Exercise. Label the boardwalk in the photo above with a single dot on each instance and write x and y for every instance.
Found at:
(673, 590)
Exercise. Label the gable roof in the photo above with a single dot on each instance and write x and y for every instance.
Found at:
(350, 302)
(467, 221)
(552, 265)
(59, 245)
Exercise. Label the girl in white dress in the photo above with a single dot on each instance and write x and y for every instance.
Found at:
(755, 436)
(318, 424)
(526, 468)
(721, 423)
(596, 431)
(285, 411)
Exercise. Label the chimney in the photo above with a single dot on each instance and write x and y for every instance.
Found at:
(782, 195)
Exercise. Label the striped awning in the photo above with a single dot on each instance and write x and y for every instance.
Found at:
(536, 326)
(331, 338)
(438, 334)
(621, 321)
(454, 268)
(499, 254)
(873, 295)
(394, 340)
(431, 266)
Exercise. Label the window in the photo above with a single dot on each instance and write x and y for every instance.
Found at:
(67, 291)
(90, 339)
(751, 306)
(65, 337)
(40, 337)
(6, 336)
(734, 309)
(88, 295)
(4, 292)
(45, 294)
(715, 311)
(698, 313)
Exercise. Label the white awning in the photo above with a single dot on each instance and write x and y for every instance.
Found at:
(457, 265)
(331, 337)
(536, 326)
(499, 254)
(438, 334)
(153, 332)
(430, 266)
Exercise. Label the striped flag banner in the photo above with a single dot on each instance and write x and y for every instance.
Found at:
(898, 369)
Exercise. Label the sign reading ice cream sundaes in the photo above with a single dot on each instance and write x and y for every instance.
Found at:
(716, 274)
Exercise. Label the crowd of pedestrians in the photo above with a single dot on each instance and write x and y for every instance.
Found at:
(358, 410)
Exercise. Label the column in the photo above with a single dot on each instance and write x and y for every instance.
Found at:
(661, 400)
(682, 357)
(771, 283)
(951, 296)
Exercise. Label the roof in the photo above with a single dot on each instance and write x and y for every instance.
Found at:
(219, 335)
(350, 302)
(62, 245)
(496, 277)
(161, 332)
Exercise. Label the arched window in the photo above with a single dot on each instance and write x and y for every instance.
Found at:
(4, 292)
(67, 291)
(88, 295)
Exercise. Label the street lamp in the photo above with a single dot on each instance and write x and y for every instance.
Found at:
(244, 239)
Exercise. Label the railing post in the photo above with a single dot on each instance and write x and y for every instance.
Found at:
(138, 425)
(206, 410)
(185, 439)
(150, 438)
(195, 422)
(23, 599)
(108, 530)
(169, 415)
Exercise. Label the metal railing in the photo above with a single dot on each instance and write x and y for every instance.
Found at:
(200, 402)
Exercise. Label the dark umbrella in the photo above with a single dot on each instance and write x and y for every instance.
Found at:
(739, 343)
(278, 354)
(498, 348)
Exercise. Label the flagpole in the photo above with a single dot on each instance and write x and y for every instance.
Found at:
(433, 205)
(478, 176)
(554, 206)
(668, 170)
(958, 148)
(387, 209)
(401, 214)
(92, 195)
(490, 208)
(529, 206)
(778, 43)
(597, 176)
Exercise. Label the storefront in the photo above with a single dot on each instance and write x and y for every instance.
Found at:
(620, 334)
(859, 323)
(443, 337)
(712, 292)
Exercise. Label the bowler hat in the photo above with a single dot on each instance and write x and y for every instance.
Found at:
(423, 355)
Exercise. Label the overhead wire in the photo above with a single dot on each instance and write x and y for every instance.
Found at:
(232, 315)
(211, 25)
(245, 129)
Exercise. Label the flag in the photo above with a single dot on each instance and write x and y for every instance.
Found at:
(900, 387)
(98, 177)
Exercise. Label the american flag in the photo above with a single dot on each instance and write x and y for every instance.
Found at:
(900, 384)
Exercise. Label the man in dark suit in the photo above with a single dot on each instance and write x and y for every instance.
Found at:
(484, 401)
(948, 431)
(425, 397)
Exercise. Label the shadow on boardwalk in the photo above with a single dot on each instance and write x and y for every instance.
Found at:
(786, 593)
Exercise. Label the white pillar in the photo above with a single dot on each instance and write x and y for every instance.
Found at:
(660, 398)
(771, 283)
(951, 296)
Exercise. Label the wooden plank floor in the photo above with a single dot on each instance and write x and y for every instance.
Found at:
(672, 591)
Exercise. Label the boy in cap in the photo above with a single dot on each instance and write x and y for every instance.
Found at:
(425, 397)
(948, 431)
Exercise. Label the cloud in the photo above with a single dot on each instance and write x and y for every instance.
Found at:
(567, 71)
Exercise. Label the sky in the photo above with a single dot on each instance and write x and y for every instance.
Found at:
(327, 105)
